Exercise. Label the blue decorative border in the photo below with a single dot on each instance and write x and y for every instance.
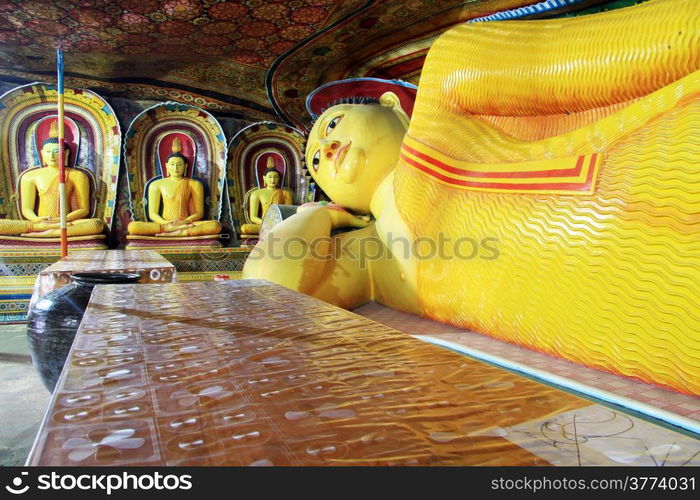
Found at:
(550, 378)
(529, 10)
(313, 93)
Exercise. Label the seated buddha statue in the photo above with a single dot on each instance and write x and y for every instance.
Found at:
(175, 203)
(39, 195)
(261, 198)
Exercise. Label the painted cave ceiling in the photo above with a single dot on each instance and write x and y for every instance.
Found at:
(251, 59)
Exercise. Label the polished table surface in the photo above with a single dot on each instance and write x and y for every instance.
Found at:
(250, 373)
(149, 264)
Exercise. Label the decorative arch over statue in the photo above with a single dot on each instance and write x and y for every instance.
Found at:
(28, 122)
(154, 137)
(255, 150)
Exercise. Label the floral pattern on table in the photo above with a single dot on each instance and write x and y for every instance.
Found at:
(251, 373)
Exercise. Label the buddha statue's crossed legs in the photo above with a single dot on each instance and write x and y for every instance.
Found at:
(84, 227)
(199, 228)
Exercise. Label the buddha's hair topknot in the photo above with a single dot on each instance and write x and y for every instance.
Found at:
(177, 154)
(348, 100)
(356, 100)
(49, 140)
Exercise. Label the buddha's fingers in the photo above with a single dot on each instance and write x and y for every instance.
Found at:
(362, 221)
(342, 218)
(175, 227)
(46, 225)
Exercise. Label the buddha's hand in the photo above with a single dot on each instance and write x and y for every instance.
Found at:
(176, 225)
(346, 219)
(342, 218)
(44, 225)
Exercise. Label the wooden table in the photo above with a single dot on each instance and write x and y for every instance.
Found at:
(250, 373)
(148, 263)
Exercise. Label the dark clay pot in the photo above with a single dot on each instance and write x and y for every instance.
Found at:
(54, 320)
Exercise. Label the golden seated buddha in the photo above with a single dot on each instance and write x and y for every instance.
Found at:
(39, 195)
(175, 204)
(260, 199)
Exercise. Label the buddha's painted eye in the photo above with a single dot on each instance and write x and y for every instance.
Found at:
(333, 123)
(316, 159)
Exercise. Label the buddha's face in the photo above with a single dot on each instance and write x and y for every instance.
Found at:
(49, 155)
(350, 150)
(176, 167)
(272, 179)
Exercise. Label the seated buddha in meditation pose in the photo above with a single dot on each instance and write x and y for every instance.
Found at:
(175, 203)
(573, 158)
(39, 195)
(261, 198)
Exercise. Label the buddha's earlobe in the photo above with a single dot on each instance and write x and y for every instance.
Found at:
(392, 101)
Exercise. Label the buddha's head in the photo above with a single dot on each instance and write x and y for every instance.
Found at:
(271, 178)
(49, 153)
(176, 165)
(353, 146)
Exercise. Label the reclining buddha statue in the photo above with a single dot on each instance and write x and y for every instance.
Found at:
(260, 199)
(39, 197)
(545, 192)
(175, 203)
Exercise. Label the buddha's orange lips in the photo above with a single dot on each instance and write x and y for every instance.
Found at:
(340, 156)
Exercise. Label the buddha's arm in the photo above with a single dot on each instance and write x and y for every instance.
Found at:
(154, 201)
(81, 189)
(476, 69)
(254, 209)
(28, 190)
(288, 198)
(197, 193)
(298, 252)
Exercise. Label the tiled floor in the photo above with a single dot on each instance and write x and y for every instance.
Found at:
(23, 400)
(638, 394)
